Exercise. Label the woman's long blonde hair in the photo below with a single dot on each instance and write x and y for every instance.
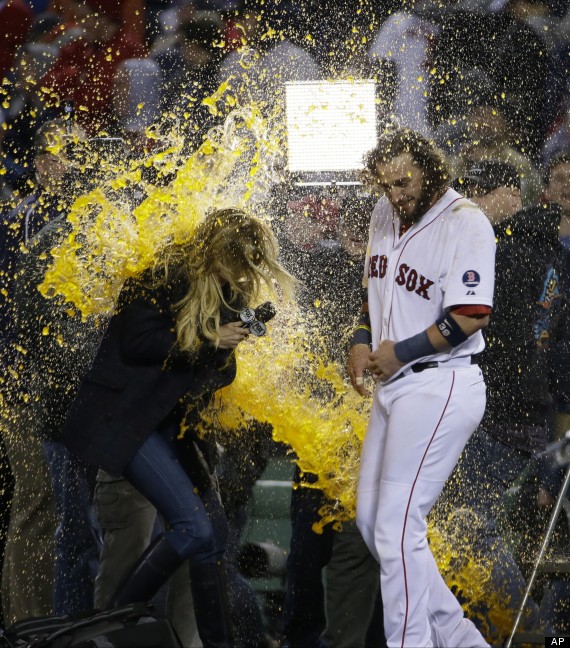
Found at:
(229, 247)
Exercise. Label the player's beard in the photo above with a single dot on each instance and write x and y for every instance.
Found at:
(424, 202)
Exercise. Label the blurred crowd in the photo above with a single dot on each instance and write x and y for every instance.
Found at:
(487, 80)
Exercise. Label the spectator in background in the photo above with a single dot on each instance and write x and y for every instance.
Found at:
(136, 100)
(406, 39)
(84, 70)
(28, 572)
(490, 41)
(190, 72)
(489, 136)
(25, 113)
(558, 141)
(544, 19)
(15, 22)
(526, 327)
(331, 281)
(274, 52)
(557, 190)
(72, 481)
(241, 464)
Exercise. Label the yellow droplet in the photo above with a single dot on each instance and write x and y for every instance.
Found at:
(45, 330)
(317, 303)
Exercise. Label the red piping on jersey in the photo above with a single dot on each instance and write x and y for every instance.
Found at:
(406, 243)
(410, 501)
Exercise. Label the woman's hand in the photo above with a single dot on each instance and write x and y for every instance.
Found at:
(232, 334)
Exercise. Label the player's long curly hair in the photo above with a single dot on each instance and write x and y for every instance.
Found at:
(425, 154)
(229, 248)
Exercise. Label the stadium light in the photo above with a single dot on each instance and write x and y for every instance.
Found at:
(330, 126)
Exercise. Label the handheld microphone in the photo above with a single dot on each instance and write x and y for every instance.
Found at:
(254, 319)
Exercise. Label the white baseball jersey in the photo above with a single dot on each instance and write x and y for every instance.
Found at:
(445, 259)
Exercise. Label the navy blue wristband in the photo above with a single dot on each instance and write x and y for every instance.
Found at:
(414, 347)
(361, 335)
(451, 331)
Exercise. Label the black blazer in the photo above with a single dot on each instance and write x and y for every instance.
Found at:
(138, 377)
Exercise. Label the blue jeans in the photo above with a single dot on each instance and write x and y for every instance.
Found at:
(195, 523)
(486, 469)
(77, 536)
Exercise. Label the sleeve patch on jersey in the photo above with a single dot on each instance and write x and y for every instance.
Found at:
(471, 279)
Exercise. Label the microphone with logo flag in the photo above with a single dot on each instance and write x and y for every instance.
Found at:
(254, 318)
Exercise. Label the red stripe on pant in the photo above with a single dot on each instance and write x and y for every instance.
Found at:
(410, 501)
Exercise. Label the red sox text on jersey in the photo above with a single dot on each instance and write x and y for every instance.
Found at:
(408, 277)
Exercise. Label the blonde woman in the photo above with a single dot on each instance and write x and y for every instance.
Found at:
(171, 344)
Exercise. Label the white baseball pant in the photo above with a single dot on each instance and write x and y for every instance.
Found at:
(418, 427)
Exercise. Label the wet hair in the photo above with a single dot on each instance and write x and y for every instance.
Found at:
(425, 154)
(229, 247)
(556, 160)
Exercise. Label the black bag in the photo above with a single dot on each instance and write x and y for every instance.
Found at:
(129, 626)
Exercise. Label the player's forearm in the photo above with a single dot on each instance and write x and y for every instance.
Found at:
(362, 332)
(449, 331)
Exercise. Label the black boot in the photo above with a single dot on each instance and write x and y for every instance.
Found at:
(153, 569)
(211, 606)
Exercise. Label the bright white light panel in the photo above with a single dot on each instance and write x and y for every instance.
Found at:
(330, 124)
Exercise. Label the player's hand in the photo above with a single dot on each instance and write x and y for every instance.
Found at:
(356, 365)
(232, 334)
(383, 363)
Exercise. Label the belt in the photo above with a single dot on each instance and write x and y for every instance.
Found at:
(422, 366)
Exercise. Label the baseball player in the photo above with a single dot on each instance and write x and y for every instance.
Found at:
(430, 274)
